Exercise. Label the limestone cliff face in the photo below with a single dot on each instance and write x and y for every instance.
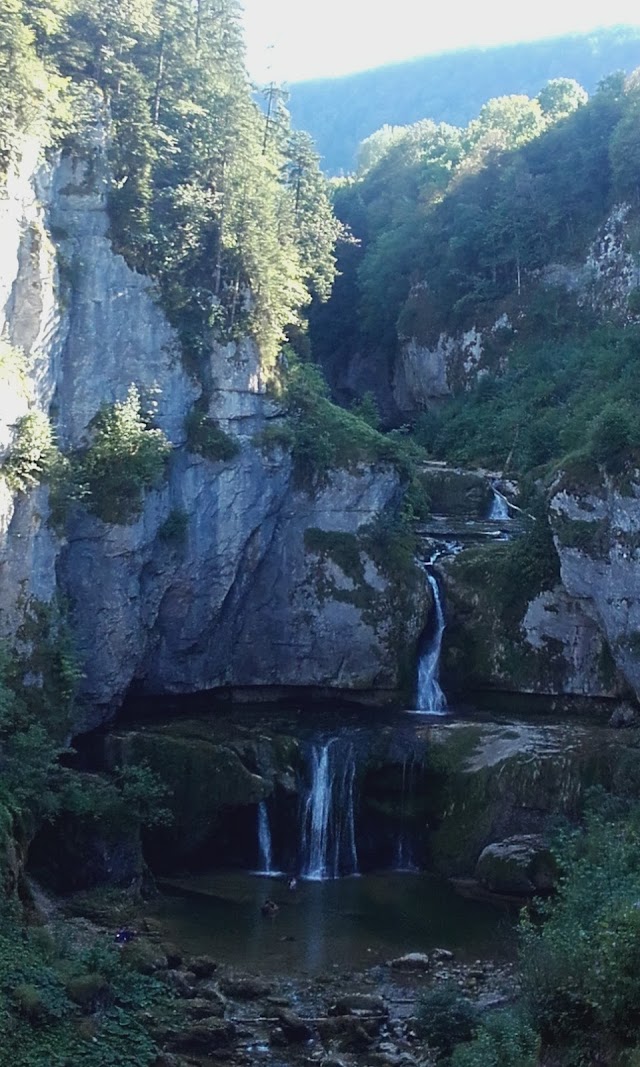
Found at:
(552, 647)
(597, 536)
(425, 373)
(427, 370)
(234, 599)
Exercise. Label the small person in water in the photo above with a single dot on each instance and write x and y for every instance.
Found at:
(292, 883)
(269, 909)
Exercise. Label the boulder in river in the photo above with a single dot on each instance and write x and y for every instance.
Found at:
(411, 961)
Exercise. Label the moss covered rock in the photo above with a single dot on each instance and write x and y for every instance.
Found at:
(494, 781)
(506, 632)
(520, 865)
(456, 493)
(215, 780)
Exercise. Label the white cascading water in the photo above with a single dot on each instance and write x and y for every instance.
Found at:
(328, 844)
(404, 849)
(431, 699)
(264, 840)
(499, 510)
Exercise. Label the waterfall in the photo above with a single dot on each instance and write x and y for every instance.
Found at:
(328, 845)
(404, 849)
(264, 840)
(499, 510)
(430, 697)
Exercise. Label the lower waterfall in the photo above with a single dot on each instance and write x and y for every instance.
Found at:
(264, 840)
(328, 843)
(430, 698)
(404, 859)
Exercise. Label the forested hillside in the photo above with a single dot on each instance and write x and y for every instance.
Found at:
(222, 205)
(459, 230)
(341, 112)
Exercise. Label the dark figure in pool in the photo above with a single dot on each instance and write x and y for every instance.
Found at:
(292, 883)
(124, 935)
(269, 909)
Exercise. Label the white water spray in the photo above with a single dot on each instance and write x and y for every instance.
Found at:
(264, 840)
(431, 699)
(499, 510)
(328, 845)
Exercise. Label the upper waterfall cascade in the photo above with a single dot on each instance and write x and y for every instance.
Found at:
(499, 510)
(430, 696)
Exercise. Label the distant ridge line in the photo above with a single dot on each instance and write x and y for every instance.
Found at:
(449, 86)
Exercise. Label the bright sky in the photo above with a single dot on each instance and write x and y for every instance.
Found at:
(291, 40)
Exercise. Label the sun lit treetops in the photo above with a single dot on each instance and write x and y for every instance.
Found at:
(225, 207)
(448, 205)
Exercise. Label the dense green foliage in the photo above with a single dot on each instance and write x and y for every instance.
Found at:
(38, 682)
(457, 228)
(62, 1004)
(341, 112)
(225, 208)
(580, 968)
(32, 454)
(446, 1018)
(206, 437)
(565, 395)
(470, 213)
(323, 437)
(126, 455)
(504, 1039)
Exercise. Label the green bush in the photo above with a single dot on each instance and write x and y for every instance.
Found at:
(73, 1006)
(613, 433)
(325, 437)
(39, 1001)
(89, 991)
(367, 409)
(446, 1017)
(126, 456)
(32, 452)
(564, 395)
(581, 968)
(208, 439)
(504, 1039)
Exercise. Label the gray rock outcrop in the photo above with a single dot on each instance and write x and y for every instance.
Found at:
(519, 865)
(597, 537)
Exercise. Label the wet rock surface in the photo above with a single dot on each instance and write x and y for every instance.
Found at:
(353, 1019)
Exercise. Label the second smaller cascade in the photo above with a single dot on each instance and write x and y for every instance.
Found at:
(264, 840)
(430, 698)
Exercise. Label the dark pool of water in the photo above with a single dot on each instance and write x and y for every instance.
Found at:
(348, 923)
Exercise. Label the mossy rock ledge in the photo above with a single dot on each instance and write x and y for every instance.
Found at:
(500, 639)
(497, 780)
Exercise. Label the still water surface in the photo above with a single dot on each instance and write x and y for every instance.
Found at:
(348, 923)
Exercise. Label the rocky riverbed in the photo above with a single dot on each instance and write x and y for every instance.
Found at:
(334, 1018)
